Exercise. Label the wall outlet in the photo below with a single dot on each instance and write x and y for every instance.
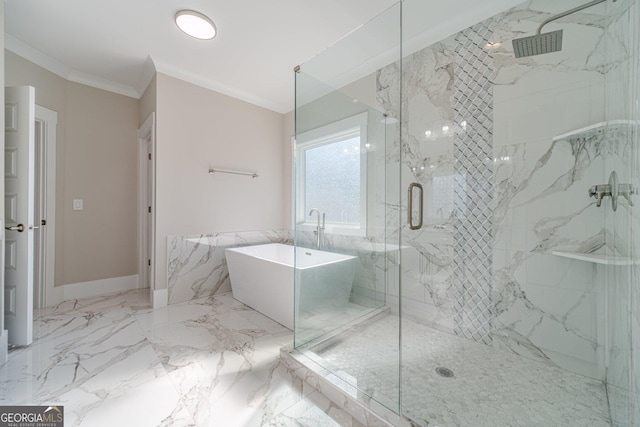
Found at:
(78, 204)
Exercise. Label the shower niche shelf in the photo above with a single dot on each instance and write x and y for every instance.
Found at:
(596, 129)
(597, 258)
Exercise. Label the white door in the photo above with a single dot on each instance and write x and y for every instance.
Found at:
(19, 201)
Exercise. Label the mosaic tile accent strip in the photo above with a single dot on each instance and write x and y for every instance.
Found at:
(474, 192)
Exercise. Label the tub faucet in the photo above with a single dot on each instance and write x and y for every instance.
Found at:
(319, 229)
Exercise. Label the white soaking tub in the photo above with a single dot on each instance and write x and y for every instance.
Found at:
(262, 277)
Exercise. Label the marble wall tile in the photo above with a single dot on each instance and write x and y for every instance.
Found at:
(196, 266)
(424, 156)
(538, 186)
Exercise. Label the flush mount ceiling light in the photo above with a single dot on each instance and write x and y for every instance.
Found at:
(196, 24)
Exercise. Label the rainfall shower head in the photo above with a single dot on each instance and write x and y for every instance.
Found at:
(538, 44)
(546, 42)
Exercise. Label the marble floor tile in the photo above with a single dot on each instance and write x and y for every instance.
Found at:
(115, 361)
(215, 362)
(315, 410)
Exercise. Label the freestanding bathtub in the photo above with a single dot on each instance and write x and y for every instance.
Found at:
(262, 277)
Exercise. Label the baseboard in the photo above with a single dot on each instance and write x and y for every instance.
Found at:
(160, 298)
(93, 288)
(4, 347)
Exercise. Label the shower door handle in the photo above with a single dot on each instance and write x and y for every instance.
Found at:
(418, 226)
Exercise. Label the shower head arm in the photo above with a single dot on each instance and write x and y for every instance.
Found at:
(569, 12)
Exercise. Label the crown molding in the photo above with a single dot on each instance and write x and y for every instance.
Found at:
(104, 84)
(56, 67)
(16, 46)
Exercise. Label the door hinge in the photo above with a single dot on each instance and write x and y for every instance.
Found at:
(43, 222)
(149, 262)
(149, 209)
(149, 156)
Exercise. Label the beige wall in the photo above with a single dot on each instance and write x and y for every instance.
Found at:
(197, 129)
(96, 161)
(101, 167)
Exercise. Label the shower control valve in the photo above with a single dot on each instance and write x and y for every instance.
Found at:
(613, 190)
(599, 191)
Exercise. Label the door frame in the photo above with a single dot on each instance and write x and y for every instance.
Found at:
(146, 186)
(49, 121)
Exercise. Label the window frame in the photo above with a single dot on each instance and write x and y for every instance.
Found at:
(324, 135)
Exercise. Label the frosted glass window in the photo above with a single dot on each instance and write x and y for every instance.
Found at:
(332, 180)
(331, 163)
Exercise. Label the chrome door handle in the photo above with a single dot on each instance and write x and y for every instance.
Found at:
(19, 228)
(410, 207)
(33, 228)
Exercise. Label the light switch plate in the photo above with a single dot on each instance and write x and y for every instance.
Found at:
(78, 204)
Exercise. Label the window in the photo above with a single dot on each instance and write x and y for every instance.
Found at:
(331, 176)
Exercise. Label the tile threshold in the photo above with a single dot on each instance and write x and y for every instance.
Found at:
(356, 403)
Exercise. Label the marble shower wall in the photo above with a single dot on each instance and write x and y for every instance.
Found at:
(535, 188)
(547, 307)
(197, 267)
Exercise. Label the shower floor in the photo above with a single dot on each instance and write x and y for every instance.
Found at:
(490, 387)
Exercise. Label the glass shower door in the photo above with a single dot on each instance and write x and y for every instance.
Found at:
(519, 295)
(621, 274)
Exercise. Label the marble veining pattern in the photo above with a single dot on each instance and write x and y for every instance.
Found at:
(546, 309)
(196, 266)
(114, 361)
(427, 254)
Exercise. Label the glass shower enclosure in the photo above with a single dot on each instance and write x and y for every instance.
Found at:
(466, 219)
(347, 204)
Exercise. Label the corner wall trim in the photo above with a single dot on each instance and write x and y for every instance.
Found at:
(93, 288)
(160, 298)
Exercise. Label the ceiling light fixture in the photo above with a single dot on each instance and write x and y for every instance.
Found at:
(196, 24)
